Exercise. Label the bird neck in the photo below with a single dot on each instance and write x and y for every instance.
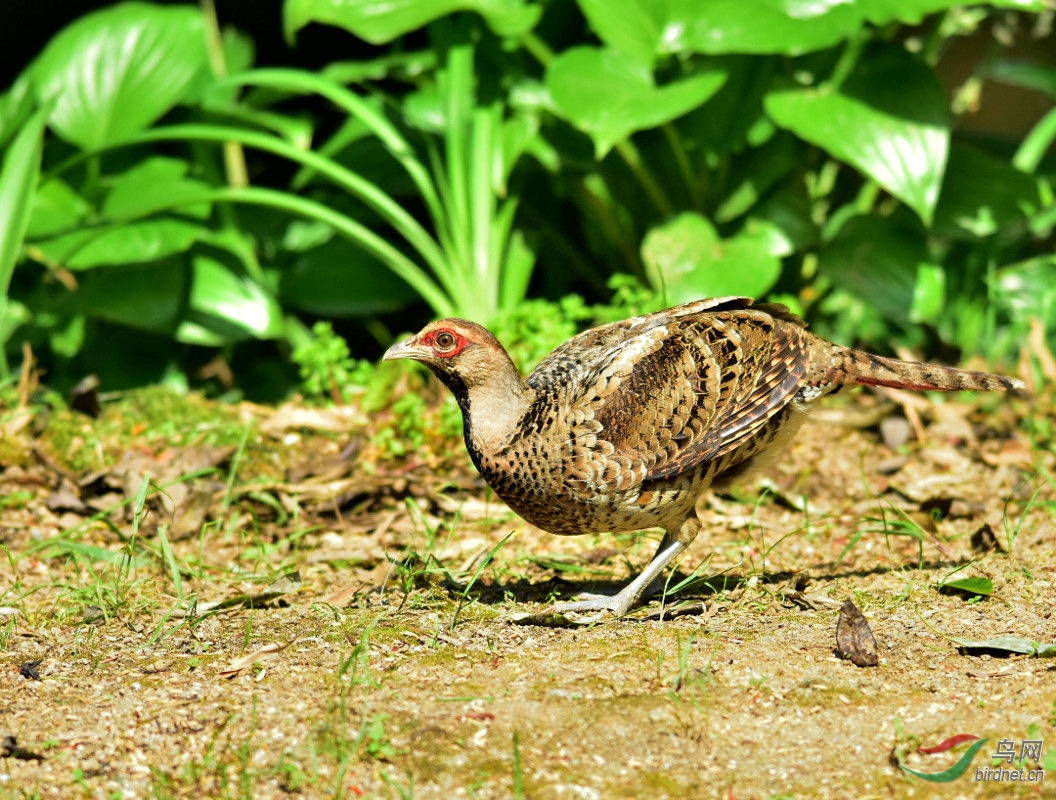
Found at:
(492, 405)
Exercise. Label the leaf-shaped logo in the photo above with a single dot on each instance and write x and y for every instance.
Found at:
(958, 769)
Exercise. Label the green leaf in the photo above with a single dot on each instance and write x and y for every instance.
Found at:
(1008, 644)
(56, 208)
(119, 238)
(16, 107)
(632, 27)
(1026, 290)
(18, 183)
(155, 184)
(888, 119)
(686, 260)
(908, 12)
(338, 279)
(929, 294)
(608, 96)
(876, 259)
(983, 195)
(788, 27)
(756, 172)
(146, 297)
(381, 21)
(128, 243)
(980, 587)
(226, 307)
(116, 71)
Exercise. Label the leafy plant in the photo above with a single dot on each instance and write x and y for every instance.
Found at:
(474, 157)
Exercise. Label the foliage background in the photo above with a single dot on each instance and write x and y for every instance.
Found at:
(207, 190)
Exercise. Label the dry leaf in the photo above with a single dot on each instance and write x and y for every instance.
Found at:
(854, 639)
(265, 653)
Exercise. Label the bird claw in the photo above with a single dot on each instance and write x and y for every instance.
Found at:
(617, 605)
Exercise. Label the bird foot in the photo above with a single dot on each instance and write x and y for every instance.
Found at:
(617, 605)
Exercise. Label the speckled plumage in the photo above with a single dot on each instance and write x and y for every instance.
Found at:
(624, 426)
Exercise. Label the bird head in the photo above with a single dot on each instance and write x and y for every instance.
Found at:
(456, 351)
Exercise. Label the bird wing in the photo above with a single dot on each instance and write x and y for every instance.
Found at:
(582, 354)
(665, 397)
(761, 362)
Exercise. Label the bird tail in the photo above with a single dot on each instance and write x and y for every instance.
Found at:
(857, 366)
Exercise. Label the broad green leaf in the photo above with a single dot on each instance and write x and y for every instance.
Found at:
(687, 260)
(115, 71)
(929, 294)
(381, 21)
(788, 209)
(153, 185)
(983, 195)
(1008, 644)
(19, 173)
(876, 259)
(337, 279)
(888, 119)
(1025, 74)
(1027, 290)
(981, 587)
(908, 12)
(632, 27)
(150, 186)
(147, 297)
(14, 315)
(757, 172)
(728, 119)
(609, 96)
(129, 243)
(16, 107)
(788, 27)
(225, 307)
(56, 208)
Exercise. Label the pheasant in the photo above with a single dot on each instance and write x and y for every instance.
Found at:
(624, 426)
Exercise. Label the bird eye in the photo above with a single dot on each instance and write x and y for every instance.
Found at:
(445, 340)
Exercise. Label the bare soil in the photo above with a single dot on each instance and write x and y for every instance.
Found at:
(411, 656)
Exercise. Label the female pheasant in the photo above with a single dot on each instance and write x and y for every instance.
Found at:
(624, 426)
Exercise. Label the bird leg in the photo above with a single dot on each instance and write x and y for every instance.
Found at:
(673, 545)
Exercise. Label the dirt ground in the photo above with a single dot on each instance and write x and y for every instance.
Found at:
(410, 655)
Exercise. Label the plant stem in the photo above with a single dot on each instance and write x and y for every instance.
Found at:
(234, 157)
(629, 153)
(693, 186)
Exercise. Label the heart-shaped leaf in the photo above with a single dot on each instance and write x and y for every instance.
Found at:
(632, 27)
(338, 280)
(888, 119)
(147, 297)
(876, 259)
(226, 307)
(608, 96)
(791, 27)
(381, 21)
(982, 195)
(117, 70)
(687, 260)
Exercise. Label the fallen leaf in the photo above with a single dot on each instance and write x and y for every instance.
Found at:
(854, 639)
(1006, 645)
(265, 653)
(977, 587)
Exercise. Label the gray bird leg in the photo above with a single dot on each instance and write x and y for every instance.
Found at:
(672, 546)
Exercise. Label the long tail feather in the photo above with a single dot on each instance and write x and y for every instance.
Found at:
(861, 367)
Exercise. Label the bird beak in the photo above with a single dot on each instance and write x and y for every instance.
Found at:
(404, 349)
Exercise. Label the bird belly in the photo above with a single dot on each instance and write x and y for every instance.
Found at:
(558, 506)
